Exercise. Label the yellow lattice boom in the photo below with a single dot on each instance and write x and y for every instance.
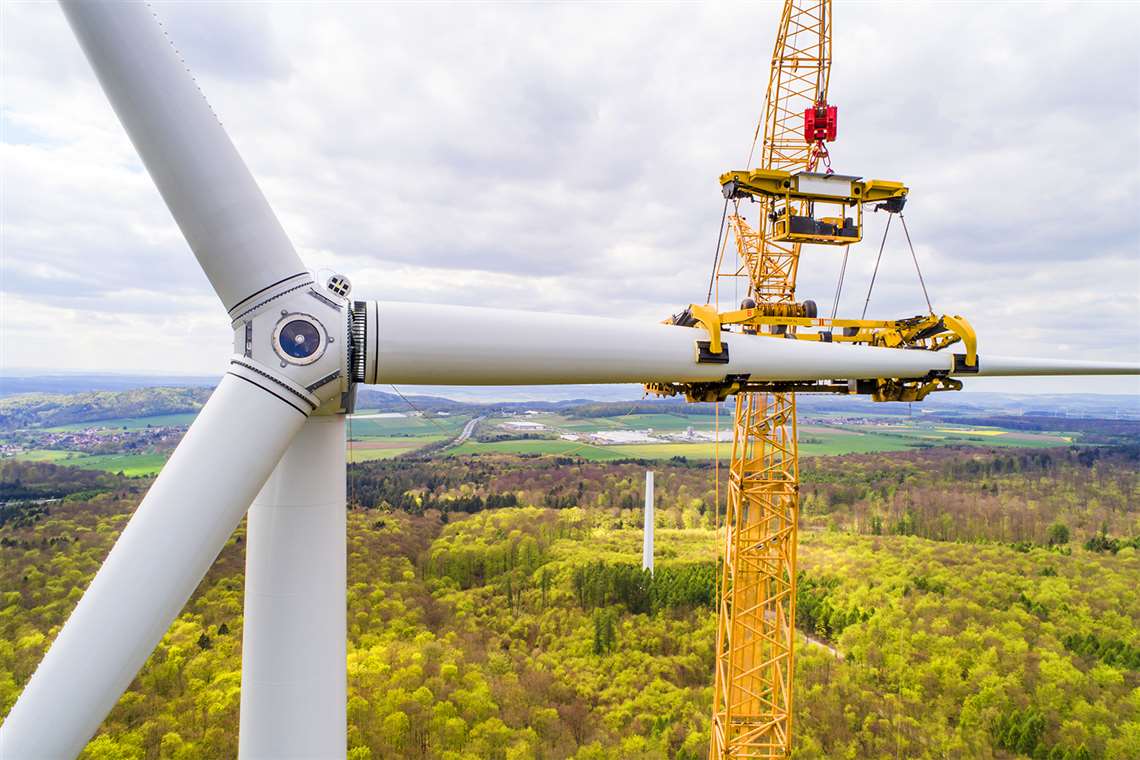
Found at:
(752, 696)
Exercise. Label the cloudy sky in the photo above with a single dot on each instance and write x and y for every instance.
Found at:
(564, 158)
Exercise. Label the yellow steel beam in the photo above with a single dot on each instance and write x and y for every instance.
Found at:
(809, 186)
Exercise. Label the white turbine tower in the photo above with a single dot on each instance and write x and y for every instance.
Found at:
(272, 434)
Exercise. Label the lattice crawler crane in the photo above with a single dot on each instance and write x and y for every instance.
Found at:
(798, 204)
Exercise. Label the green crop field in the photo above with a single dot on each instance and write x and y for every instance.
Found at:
(45, 455)
(943, 435)
(991, 436)
(406, 426)
(368, 455)
(671, 422)
(832, 442)
(365, 449)
(555, 448)
(130, 465)
(669, 450)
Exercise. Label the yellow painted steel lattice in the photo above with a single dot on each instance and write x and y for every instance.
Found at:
(752, 695)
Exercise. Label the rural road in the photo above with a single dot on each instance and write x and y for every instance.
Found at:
(812, 640)
(822, 644)
(468, 429)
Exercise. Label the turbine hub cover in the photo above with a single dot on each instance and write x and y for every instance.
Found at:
(293, 339)
(299, 338)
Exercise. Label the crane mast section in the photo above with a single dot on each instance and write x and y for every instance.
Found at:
(755, 646)
(798, 79)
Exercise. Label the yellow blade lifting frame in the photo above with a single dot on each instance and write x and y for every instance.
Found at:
(794, 198)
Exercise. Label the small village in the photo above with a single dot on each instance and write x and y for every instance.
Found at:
(97, 439)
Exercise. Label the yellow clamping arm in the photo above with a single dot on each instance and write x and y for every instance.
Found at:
(713, 350)
(964, 330)
(708, 318)
(930, 332)
(880, 190)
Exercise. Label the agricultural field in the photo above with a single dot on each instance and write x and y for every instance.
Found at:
(692, 436)
(367, 424)
(366, 449)
(138, 444)
(385, 435)
(131, 465)
(45, 455)
(393, 435)
(539, 448)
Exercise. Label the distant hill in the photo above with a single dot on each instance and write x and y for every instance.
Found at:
(373, 398)
(13, 382)
(51, 400)
(31, 410)
(591, 404)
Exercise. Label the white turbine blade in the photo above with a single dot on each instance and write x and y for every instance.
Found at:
(1012, 366)
(213, 197)
(154, 567)
(460, 345)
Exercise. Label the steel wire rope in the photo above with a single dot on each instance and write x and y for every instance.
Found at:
(423, 415)
(839, 284)
(351, 470)
(719, 250)
(875, 273)
(917, 268)
(716, 487)
(418, 411)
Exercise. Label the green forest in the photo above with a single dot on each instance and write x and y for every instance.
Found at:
(953, 603)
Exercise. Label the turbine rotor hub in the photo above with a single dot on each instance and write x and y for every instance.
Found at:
(295, 339)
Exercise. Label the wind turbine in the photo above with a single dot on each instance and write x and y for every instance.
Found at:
(647, 519)
(272, 433)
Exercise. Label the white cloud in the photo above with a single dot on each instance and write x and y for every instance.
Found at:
(565, 158)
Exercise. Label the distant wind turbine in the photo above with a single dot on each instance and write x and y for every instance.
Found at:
(647, 539)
